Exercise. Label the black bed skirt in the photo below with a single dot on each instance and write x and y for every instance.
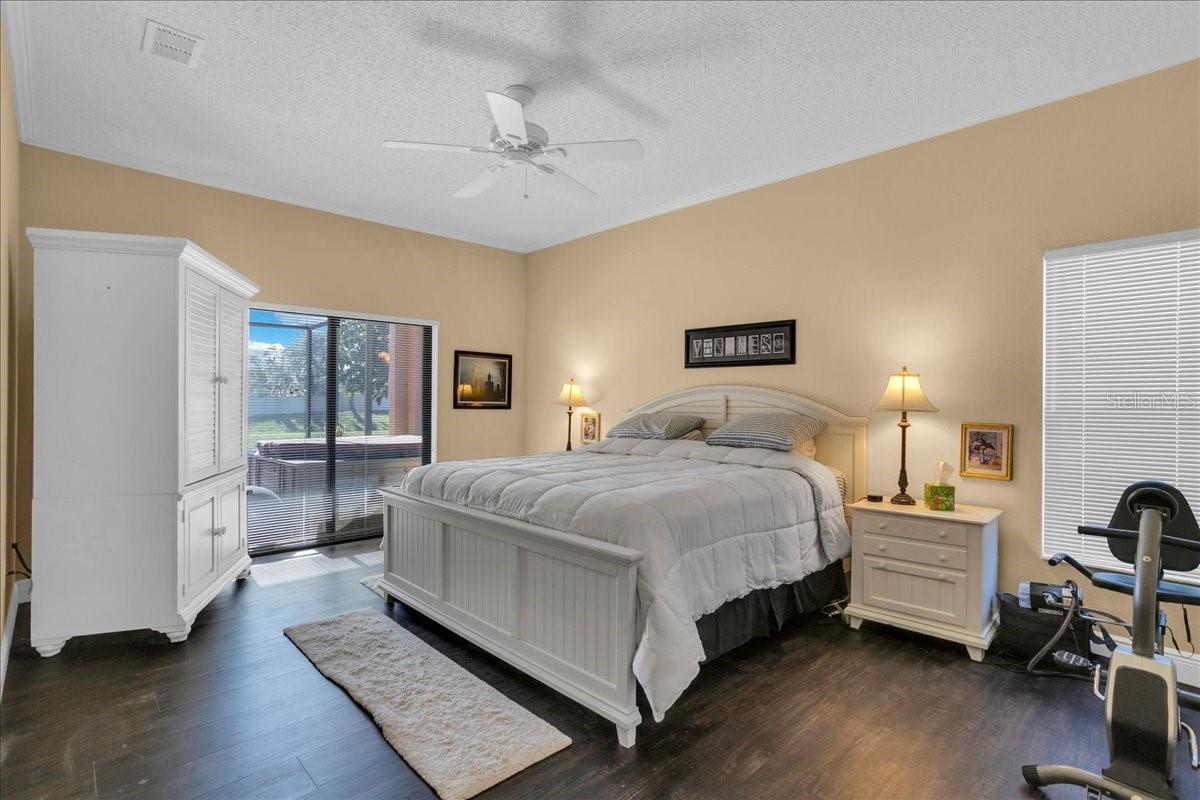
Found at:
(763, 611)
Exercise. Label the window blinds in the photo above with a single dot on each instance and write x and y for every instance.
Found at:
(337, 407)
(1121, 383)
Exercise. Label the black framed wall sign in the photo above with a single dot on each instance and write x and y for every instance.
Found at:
(747, 345)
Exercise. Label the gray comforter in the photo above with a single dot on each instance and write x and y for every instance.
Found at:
(714, 524)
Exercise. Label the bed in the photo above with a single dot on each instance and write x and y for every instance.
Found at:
(630, 561)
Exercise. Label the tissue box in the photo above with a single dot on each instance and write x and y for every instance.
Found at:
(938, 497)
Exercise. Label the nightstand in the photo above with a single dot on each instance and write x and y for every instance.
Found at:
(933, 572)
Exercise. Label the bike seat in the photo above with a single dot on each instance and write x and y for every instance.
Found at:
(1168, 591)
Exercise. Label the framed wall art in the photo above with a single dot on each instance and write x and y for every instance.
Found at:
(747, 345)
(589, 427)
(482, 380)
(985, 451)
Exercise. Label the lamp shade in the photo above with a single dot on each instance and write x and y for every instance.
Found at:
(572, 395)
(903, 393)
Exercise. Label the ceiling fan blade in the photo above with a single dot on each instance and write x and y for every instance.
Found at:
(479, 185)
(509, 116)
(441, 148)
(620, 150)
(553, 176)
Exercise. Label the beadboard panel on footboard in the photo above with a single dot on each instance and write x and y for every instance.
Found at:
(557, 606)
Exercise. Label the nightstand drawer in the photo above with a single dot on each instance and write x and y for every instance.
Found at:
(929, 530)
(887, 547)
(915, 591)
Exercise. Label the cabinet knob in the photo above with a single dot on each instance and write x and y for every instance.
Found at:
(941, 556)
(941, 576)
(883, 526)
(882, 548)
(941, 534)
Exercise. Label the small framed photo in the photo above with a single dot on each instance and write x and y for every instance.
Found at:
(482, 380)
(589, 427)
(985, 451)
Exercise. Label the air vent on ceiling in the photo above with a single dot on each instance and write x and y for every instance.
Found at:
(171, 43)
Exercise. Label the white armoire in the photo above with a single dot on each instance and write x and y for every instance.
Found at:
(139, 428)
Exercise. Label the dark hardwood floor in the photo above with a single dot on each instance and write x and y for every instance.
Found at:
(817, 712)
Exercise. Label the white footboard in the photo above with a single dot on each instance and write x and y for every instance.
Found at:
(557, 606)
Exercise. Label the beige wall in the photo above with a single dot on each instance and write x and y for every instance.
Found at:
(929, 255)
(299, 257)
(9, 257)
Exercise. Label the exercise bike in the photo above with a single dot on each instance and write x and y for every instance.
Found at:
(1143, 698)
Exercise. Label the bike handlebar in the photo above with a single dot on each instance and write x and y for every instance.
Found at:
(1119, 533)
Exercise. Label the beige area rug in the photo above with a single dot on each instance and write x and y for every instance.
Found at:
(459, 733)
(372, 583)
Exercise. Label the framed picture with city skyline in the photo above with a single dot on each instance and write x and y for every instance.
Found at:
(482, 380)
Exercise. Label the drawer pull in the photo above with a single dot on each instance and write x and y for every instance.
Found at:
(883, 526)
(941, 556)
(882, 548)
(941, 534)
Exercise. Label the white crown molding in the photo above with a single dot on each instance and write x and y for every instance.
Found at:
(183, 249)
(16, 29)
(205, 262)
(54, 239)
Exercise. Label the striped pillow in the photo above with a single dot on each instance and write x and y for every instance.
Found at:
(772, 431)
(656, 426)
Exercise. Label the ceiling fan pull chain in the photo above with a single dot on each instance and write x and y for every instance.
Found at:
(526, 184)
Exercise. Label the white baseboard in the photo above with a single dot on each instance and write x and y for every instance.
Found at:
(21, 591)
(1187, 667)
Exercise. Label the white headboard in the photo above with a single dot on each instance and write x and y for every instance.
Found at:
(843, 445)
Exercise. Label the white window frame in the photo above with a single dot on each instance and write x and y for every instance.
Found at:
(1183, 238)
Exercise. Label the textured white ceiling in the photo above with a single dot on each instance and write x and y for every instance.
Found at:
(292, 99)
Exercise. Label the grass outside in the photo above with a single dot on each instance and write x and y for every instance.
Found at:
(291, 426)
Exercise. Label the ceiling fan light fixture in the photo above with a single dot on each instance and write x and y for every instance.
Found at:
(518, 142)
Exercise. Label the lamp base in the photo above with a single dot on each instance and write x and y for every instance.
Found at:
(903, 499)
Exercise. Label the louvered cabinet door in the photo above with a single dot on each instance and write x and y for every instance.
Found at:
(231, 420)
(201, 385)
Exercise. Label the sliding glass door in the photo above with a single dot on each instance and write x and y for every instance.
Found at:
(337, 408)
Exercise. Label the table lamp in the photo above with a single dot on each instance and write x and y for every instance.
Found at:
(903, 394)
(571, 396)
(465, 393)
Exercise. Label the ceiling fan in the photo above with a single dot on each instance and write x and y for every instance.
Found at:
(522, 144)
